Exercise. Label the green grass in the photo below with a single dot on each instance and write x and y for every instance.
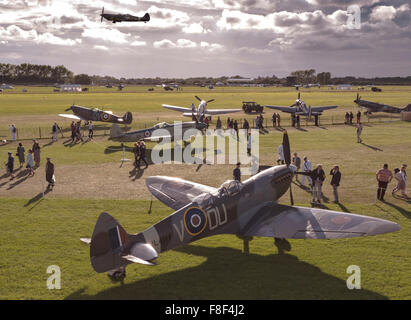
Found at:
(37, 233)
(46, 232)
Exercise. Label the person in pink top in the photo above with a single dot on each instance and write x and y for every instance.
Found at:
(384, 177)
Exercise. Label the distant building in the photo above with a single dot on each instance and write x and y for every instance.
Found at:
(70, 88)
(240, 82)
(5, 86)
(344, 87)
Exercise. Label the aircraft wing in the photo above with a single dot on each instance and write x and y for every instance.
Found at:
(282, 108)
(281, 221)
(175, 192)
(210, 112)
(176, 108)
(156, 138)
(71, 116)
(319, 109)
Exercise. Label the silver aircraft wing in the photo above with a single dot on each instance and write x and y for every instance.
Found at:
(71, 116)
(283, 108)
(281, 221)
(175, 192)
(319, 109)
(176, 108)
(210, 112)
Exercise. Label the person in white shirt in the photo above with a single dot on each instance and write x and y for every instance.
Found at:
(280, 154)
(90, 130)
(13, 130)
(307, 167)
(400, 176)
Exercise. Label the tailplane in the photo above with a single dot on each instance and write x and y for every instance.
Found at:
(407, 108)
(116, 132)
(146, 17)
(112, 248)
(128, 118)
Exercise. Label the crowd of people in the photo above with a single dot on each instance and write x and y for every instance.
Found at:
(139, 151)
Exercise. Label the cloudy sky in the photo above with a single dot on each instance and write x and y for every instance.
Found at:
(210, 37)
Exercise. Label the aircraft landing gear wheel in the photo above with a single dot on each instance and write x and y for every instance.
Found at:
(117, 274)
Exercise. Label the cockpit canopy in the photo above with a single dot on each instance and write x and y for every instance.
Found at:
(227, 189)
(160, 125)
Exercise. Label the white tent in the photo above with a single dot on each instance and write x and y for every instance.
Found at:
(70, 88)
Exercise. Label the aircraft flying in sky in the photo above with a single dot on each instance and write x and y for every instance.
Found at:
(301, 109)
(123, 17)
(201, 111)
(378, 107)
(249, 208)
(87, 114)
(153, 133)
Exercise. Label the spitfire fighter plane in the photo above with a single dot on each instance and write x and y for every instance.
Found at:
(87, 114)
(300, 108)
(123, 17)
(378, 107)
(154, 133)
(245, 209)
(201, 111)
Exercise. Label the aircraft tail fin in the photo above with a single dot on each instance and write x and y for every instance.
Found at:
(146, 17)
(116, 132)
(407, 108)
(128, 118)
(107, 243)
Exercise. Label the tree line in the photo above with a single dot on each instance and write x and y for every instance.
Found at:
(27, 73)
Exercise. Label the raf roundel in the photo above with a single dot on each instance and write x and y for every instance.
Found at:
(195, 220)
(105, 117)
(147, 133)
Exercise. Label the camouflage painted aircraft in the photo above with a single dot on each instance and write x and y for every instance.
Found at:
(153, 133)
(301, 109)
(378, 107)
(245, 209)
(87, 114)
(201, 111)
(123, 17)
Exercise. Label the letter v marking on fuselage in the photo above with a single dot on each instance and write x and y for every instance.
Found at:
(180, 233)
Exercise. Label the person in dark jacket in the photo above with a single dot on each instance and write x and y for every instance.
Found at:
(142, 154)
(318, 177)
(136, 151)
(50, 174)
(296, 160)
(237, 172)
(20, 154)
(335, 181)
(10, 165)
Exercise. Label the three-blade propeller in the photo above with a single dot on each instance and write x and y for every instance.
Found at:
(208, 101)
(102, 14)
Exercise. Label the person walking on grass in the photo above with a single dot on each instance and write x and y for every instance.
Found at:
(55, 129)
(318, 177)
(50, 174)
(400, 176)
(297, 162)
(30, 163)
(10, 166)
(90, 130)
(20, 154)
(307, 167)
(335, 181)
(142, 154)
(36, 152)
(359, 131)
(384, 177)
(13, 131)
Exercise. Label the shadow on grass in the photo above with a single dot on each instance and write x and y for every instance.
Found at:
(404, 212)
(36, 199)
(371, 147)
(229, 274)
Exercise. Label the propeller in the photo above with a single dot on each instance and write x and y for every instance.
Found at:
(102, 13)
(287, 158)
(210, 100)
(198, 98)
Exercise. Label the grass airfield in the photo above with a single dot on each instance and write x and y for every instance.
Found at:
(40, 232)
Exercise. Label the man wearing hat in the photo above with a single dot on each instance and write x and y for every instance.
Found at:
(50, 174)
(237, 172)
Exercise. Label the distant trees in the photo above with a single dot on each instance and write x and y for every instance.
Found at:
(324, 78)
(304, 76)
(82, 79)
(32, 73)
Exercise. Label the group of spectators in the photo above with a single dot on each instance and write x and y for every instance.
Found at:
(276, 119)
(384, 177)
(139, 151)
